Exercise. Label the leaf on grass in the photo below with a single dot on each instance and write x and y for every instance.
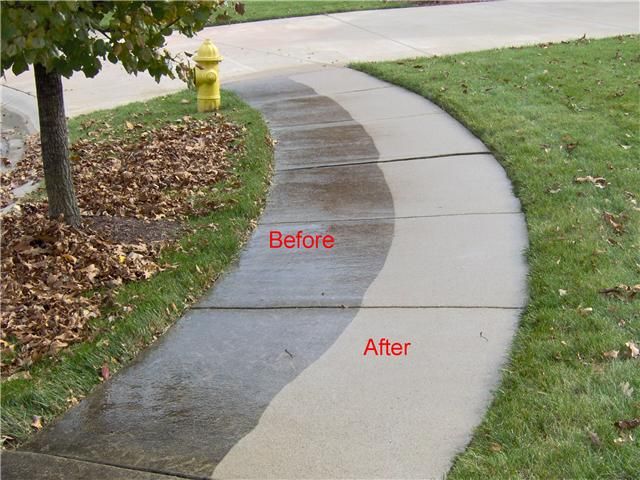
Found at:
(569, 143)
(495, 447)
(622, 292)
(22, 375)
(611, 354)
(599, 182)
(627, 424)
(105, 373)
(129, 125)
(562, 292)
(595, 439)
(36, 422)
(627, 390)
(623, 439)
(614, 221)
(631, 350)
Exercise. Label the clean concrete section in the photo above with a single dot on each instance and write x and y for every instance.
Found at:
(266, 377)
(351, 416)
(256, 49)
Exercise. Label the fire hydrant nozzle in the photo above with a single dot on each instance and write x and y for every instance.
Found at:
(207, 79)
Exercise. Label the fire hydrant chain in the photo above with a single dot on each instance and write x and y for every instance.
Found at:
(207, 79)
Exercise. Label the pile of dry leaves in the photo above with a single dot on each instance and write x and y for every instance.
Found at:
(55, 278)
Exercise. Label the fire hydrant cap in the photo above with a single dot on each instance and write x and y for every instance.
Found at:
(208, 52)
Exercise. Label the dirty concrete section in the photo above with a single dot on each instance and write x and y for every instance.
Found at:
(26, 465)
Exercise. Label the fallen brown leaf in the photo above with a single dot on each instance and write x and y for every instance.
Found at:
(36, 422)
(622, 292)
(105, 373)
(599, 182)
(627, 424)
(47, 268)
(627, 390)
(595, 439)
(584, 311)
(631, 350)
(614, 221)
(623, 439)
(611, 354)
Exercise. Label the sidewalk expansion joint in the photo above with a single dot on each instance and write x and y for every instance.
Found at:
(123, 467)
(18, 90)
(397, 42)
(303, 61)
(362, 307)
(310, 95)
(305, 126)
(391, 160)
(366, 219)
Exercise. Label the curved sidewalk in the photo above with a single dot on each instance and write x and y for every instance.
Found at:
(266, 377)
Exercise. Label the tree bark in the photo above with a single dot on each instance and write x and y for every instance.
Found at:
(55, 147)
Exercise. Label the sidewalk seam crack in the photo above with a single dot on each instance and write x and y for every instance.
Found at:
(18, 90)
(397, 42)
(259, 103)
(123, 467)
(391, 160)
(350, 122)
(407, 217)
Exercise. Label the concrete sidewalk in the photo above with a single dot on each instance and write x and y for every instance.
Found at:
(266, 377)
(280, 46)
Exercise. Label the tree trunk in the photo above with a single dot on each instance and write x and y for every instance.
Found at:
(55, 147)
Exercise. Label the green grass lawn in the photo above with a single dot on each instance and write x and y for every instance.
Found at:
(256, 10)
(553, 114)
(202, 254)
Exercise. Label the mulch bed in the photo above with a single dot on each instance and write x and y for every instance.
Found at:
(134, 196)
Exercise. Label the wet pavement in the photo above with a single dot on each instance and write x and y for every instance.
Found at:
(28, 466)
(265, 377)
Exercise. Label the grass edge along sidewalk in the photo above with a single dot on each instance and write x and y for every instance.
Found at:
(51, 386)
(563, 120)
(258, 10)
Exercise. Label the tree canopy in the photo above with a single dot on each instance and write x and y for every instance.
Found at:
(62, 37)
(67, 36)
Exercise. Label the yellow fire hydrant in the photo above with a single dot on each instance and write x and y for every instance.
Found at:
(207, 79)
